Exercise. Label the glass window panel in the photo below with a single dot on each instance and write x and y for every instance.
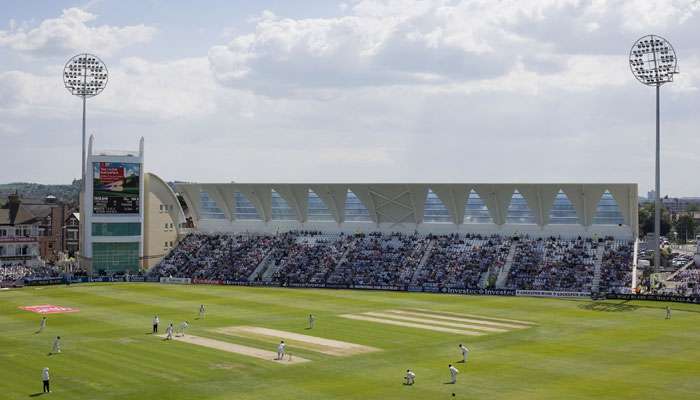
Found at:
(355, 210)
(281, 211)
(208, 209)
(317, 210)
(245, 210)
(116, 229)
(475, 210)
(435, 210)
(563, 211)
(518, 210)
(608, 211)
(115, 257)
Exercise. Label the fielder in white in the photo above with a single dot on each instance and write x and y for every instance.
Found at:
(42, 324)
(465, 352)
(410, 377)
(183, 326)
(201, 311)
(453, 374)
(169, 332)
(56, 345)
(280, 350)
(312, 320)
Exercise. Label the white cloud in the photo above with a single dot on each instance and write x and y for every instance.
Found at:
(137, 89)
(385, 91)
(73, 31)
(441, 42)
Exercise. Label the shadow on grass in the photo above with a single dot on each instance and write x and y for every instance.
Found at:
(608, 307)
(36, 394)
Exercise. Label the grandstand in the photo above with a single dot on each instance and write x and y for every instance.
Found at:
(422, 237)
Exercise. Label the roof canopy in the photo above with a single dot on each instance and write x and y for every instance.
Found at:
(408, 206)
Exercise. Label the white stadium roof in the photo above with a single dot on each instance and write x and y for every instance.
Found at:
(539, 209)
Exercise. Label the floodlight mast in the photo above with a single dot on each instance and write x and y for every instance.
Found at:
(84, 75)
(653, 62)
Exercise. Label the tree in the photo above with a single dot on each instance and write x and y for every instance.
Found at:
(646, 220)
(685, 227)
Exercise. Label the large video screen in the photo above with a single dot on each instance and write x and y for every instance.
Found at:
(116, 188)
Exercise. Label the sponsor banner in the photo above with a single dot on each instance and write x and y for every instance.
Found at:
(307, 285)
(49, 309)
(482, 292)
(654, 297)
(198, 281)
(337, 286)
(550, 293)
(415, 288)
(43, 281)
(180, 281)
(116, 188)
(101, 279)
(246, 283)
(378, 287)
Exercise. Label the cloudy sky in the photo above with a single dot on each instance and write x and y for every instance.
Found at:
(367, 90)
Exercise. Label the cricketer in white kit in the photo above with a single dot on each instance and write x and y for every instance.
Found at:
(280, 350)
(453, 373)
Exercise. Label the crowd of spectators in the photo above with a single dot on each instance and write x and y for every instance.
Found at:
(616, 267)
(15, 271)
(217, 256)
(397, 259)
(311, 258)
(377, 259)
(553, 264)
(459, 261)
(687, 282)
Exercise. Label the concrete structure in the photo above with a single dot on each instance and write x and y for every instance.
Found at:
(19, 234)
(71, 235)
(566, 209)
(126, 228)
(164, 220)
(676, 206)
(51, 214)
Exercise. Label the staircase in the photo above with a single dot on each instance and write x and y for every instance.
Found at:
(270, 268)
(484, 279)
(502, 278)
(595, 285)
(423, 261)
(681, 269)
(262, 266)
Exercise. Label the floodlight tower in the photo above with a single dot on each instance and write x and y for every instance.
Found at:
(84, 75)
(653, 62)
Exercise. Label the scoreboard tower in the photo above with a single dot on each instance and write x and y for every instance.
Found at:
(112, 227)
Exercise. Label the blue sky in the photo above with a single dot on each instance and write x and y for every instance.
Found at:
(356, 90)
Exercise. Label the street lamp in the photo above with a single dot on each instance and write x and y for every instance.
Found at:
(84, 75)
(653, 62)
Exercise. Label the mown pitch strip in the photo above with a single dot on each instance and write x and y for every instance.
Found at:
(461, 324)
(238, 349)
(313, 343)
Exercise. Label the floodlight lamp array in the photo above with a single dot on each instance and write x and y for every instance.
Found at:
(85, 75)
(653, 60)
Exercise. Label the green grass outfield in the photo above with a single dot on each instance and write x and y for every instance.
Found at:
(578, 350)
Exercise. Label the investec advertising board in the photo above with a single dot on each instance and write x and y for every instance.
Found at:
(116, 188)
